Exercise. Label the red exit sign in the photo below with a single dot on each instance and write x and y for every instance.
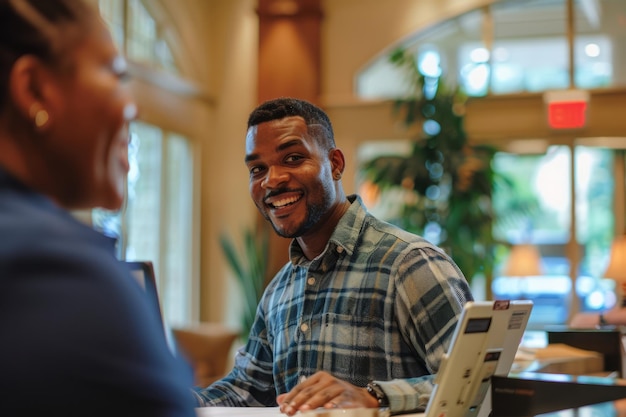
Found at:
(567, 109)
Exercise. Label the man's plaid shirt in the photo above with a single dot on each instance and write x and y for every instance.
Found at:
(378, 304)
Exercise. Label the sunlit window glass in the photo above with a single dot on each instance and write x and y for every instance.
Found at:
(160, 214)
(538, 213)
(138, 33)
(141, 32)
(177, 253)
(538, 209)
(474, 68)
(535, 211)
(112, 12)
(600, 29)
(529, 51)
(595, 226)
(144, 196)
(156, 222)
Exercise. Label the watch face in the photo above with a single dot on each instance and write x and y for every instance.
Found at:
(376, 391)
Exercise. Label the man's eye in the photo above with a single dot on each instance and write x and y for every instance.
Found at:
(255, 170)
(293, 158)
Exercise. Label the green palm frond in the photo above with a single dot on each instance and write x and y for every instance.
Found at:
(250, 269)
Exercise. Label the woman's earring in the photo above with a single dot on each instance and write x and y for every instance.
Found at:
(39, 115)
(337, 175)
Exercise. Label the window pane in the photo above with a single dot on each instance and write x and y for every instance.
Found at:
(599, 30)
(141, 36)
(530, 51)
(156, 224)
(539, 211)
(536, 210)
(113, 14)
(593, 62)
(595, 226)
(144, 196)
(177, 255)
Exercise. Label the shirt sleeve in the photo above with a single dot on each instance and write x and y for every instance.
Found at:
(431, 293)
(251, 382)
(408, 394)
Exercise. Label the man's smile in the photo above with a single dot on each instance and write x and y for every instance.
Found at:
(283, 200)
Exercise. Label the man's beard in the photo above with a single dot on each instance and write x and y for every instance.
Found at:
(313, 216)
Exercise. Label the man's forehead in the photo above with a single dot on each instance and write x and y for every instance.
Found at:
(278, 129)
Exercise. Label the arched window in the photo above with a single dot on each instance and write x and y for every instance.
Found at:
(515, 46)
(156, 222)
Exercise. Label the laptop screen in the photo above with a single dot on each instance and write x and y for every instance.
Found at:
(143, 271)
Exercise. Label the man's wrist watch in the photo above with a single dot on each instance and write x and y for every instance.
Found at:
(602, 320)
(377, 392)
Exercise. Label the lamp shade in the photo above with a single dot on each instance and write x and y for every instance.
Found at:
(617, 260)
(524, 261)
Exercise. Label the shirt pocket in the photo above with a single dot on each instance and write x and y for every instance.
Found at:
(350, 346)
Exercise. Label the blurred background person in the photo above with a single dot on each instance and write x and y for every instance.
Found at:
(613, 317)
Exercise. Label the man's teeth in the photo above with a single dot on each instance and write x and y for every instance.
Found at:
(284, 202)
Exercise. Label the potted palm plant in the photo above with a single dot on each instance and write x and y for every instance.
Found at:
(250, 269)
(449, 179)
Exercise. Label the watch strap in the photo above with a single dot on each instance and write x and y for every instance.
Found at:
(377, 392)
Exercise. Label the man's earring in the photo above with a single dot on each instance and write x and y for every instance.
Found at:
(337, 175)
(39, 115)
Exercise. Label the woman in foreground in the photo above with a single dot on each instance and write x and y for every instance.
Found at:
(78, 336)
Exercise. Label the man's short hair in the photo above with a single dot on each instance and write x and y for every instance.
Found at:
(315, 118)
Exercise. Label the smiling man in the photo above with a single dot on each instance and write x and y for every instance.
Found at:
(295, 177)
(363, 312)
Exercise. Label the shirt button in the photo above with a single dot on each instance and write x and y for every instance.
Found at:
(304, 327)
(339, 249)
(311, 281)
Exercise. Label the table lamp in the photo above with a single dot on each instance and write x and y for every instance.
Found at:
(617, 268)
(524, 261)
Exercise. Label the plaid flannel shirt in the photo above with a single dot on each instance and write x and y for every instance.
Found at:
(378, 304)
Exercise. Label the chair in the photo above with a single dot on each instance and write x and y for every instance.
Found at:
(207, 347)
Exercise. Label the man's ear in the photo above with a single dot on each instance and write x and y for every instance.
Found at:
(337, 162)
(28, 85)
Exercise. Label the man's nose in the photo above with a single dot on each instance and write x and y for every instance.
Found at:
(275, 177)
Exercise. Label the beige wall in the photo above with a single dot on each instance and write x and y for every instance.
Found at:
(226, 205)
